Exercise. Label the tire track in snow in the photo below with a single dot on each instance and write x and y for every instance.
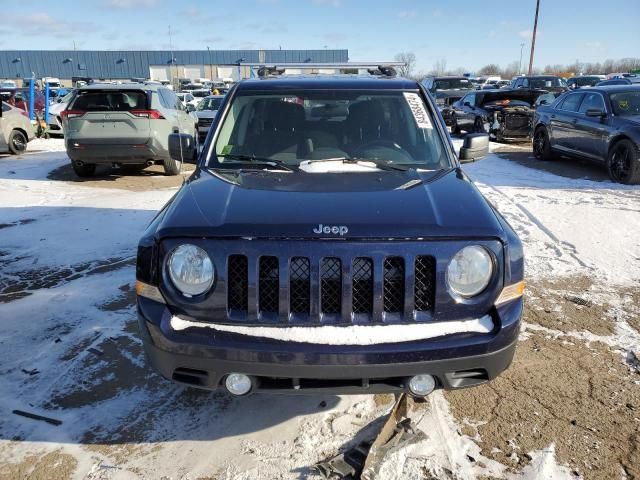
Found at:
(560, 246)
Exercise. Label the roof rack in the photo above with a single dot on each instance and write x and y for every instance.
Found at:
(382, 69)
(386, 70)
(270, 71)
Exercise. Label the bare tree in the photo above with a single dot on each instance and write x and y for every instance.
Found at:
(491, 69)
(440, 67)
(409, 60)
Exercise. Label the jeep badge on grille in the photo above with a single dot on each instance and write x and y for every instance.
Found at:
(331, 229)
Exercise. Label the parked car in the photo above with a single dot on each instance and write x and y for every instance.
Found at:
(55, 110)
(187, 98)
(447, 90)
(583, 81)
(126, 124)
(19, 97)
(16, 130)
(504, 114)
(206, 111)
(485, 82)
(200, 93)
(618, 81)
(601, 124)
(544, 82)
(343, 251)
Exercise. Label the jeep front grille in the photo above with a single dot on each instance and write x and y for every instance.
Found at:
(237, 291)
(268, 285)
(331, 289)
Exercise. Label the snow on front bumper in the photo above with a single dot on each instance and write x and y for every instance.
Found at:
(349, 335)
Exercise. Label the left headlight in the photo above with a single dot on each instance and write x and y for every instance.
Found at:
(469, 271)
(191, 270)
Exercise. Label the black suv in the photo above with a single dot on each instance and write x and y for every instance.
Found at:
(329, 241)
(446, 91)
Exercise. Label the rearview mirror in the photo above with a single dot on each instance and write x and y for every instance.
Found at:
(467, 104)
(180, 146)
(474, 147)
(595, 112)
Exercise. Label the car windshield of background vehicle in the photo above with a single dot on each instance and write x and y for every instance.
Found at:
(587, 81)
(113, 101)
(391, 127)
(454, 84)
(209, 104)
(625, 104)
(546, 82)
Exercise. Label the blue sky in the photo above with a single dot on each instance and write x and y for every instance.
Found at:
(465, 33)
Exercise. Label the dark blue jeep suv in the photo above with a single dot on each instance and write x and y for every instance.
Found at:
(329, 241)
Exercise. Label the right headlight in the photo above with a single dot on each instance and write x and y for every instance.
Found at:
(469, 271)
(191, 270)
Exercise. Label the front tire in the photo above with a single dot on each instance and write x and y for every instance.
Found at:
(17, 142)
(172, 167)
(455, 128)
(84, 171)
(623, 164)
(478, 126)
(541, 145)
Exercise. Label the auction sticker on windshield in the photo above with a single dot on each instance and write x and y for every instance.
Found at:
(417, 109)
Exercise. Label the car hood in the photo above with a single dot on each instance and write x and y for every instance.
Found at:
(377, 204)
(206, 113)
(452, 93)
(529, 96)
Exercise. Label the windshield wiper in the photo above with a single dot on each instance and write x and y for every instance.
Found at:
(379, 164)
(258, 161)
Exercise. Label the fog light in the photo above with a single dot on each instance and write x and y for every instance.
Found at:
(238, 384)
(422, 385)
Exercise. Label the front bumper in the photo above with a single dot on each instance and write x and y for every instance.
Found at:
(202, 358)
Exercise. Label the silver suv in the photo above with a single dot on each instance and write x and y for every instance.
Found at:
(125, 125)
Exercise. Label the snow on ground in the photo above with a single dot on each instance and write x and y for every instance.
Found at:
(69, 349)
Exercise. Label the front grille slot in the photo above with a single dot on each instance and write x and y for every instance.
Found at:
(299, 285)
(425, 278)
(331, 286)
(330, 290)
(237, 280)
(393, 299)
(362, 285)
(268, 284)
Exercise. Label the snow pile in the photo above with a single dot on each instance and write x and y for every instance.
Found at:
(350, 335)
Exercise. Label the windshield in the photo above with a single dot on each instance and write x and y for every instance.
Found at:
(625, 104)
(587, 81)
(546, 82)
(211, 103)
(388, 126)
(453, 84)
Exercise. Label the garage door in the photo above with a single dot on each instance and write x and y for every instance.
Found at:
(159, 73)
(193, 71)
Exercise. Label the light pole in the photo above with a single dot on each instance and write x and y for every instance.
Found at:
(533, 37)
(210, 64)
(520, 62)
(240, 60)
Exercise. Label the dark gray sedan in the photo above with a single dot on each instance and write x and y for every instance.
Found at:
(601, 124)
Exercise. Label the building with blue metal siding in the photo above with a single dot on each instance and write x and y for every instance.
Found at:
(66, 64)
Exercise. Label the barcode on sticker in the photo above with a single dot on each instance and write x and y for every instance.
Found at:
(417, 109)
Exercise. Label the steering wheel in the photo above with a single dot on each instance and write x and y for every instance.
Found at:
(400, 153)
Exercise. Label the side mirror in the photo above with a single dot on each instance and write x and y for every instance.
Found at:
(180, 146)
(466, 104)
(474, 147)
(595, 112)
(190, 108)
